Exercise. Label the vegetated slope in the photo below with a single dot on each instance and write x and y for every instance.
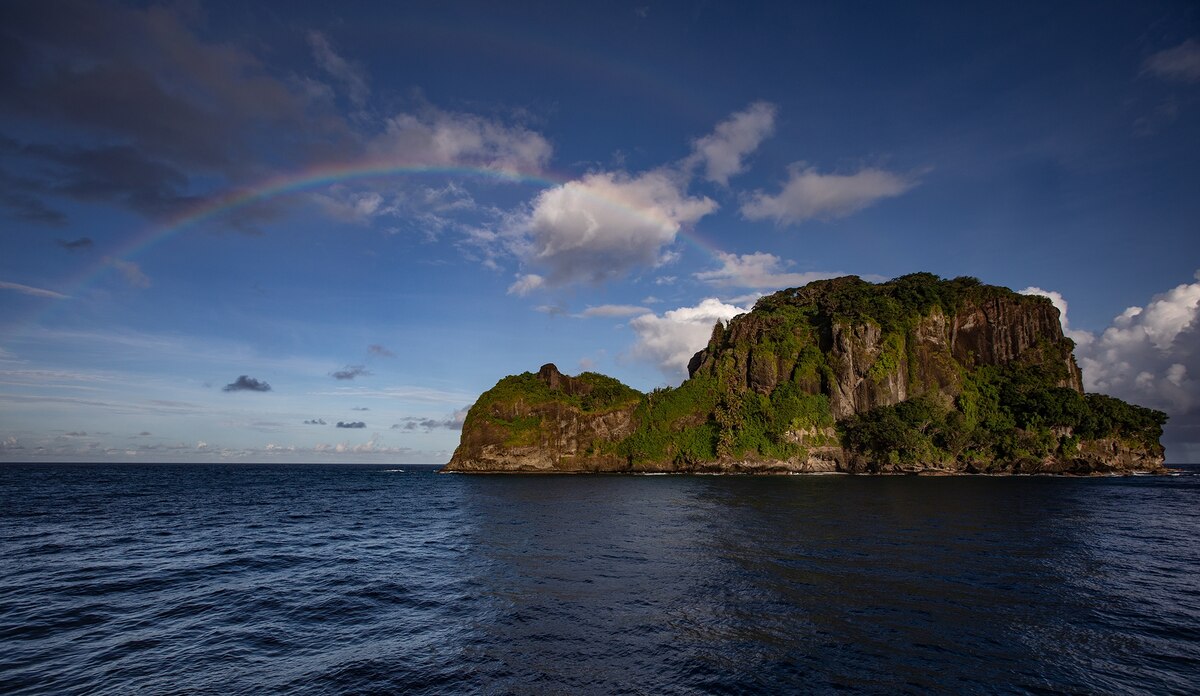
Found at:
(918, 374)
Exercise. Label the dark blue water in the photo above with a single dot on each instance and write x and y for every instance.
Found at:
(307, 579)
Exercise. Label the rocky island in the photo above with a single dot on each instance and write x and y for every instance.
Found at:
(915, 375)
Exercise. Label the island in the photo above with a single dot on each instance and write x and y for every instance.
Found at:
(917, 375)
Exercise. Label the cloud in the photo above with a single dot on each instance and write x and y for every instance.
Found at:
(30, 290)
(351, 76)
(1180, 63)
(603, 225)
(722, 152)
(809, 195)
(670, 340)
(526, 284)
(152, 108)
(758, 270)
(315, 421)
(350, 372)
(76, 245)
(244, 383)
(612, 310)
(353, 424)
(443, 138)
(379, 350)
(1149, 356)
(425, 424)
(130, 271)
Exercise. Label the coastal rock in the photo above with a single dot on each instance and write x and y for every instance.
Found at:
(916, 375)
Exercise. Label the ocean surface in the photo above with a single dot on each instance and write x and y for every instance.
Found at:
(246, 579)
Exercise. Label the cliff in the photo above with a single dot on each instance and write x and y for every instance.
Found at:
(916, 375)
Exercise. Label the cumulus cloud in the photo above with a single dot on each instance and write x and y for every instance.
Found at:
(525, 284)
(349, 372)
(1148, 356)
(758, 270)
(670, 340)
(808, 195)
(32, 291)
(1180, 63)
(722, 153)
(602, 225)
(351, 76)
(443, 138)
(352, 424)
(315, 421)
(613, 310)
(245, 383)
(76, 244)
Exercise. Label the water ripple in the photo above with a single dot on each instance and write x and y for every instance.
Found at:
(359, 579)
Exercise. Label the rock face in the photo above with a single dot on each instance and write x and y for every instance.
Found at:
(872, 367)
(554, 427)
(917, 375)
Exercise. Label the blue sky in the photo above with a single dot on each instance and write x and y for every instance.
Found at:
(378, 210)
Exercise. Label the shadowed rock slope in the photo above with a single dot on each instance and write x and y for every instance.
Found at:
(915, 375)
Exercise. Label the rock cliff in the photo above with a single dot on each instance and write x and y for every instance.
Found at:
(916, 375)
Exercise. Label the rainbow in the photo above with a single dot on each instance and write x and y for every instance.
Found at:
(325, 176)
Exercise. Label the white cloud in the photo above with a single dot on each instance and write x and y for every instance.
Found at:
(526, 284)
(339, 68)
(670, 340)
(758, 270)
(1081, 338)
(1180, 63)
(723, 151)
(1148, 356)
(446, 139)
(30, 290)
(613, 310)
(808, 195)
(601, 226)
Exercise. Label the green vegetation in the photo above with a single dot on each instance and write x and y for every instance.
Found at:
(598, 393)
(891, 305)
(675, 424)
(762, 388)
(1009, 414)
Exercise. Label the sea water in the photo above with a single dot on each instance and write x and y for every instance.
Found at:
(248, 579)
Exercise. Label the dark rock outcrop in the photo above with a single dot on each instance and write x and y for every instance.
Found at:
(917, 375)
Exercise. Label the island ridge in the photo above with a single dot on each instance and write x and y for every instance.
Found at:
(915, 375)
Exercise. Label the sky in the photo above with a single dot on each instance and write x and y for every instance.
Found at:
(316, 232)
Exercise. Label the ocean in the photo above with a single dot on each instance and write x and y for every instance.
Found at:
(312, 579)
